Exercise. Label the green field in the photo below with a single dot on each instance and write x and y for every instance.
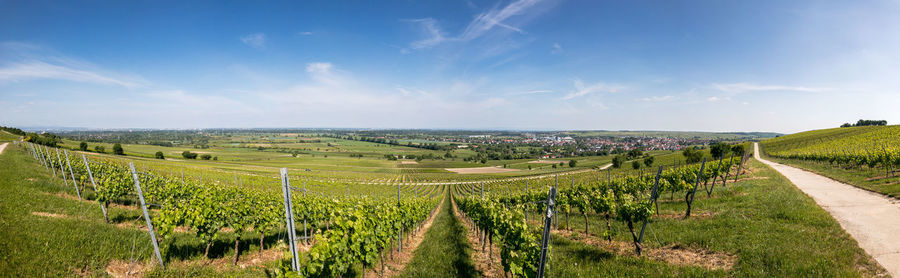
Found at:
(764, 225)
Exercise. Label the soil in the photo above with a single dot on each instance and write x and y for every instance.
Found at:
(47, 214)
(672, 254)
(488, 266)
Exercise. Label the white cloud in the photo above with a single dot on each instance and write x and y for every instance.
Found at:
(657, 98)
(582, 90)
(43, 70)
(533, 92)
(257, 40)
(557, 49)
(478, 27)
(749, 87)
(713, 99)
(305, 33)
(435, 36)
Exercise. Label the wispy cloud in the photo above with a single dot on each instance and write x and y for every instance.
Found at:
(533, 92)
(42, 70)
(305, 33)
(430, 28)
(582, 90)
(749, 87)
(482, 24)
(24, 61)
(557, 49)
(657, 98)
(257, 40)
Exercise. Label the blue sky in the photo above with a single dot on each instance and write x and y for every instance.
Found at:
(782, 66)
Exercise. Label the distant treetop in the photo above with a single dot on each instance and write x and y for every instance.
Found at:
(865, 123)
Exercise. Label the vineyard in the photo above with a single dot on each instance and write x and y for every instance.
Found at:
(866, 156)
(637, 222)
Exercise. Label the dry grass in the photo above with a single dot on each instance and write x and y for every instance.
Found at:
(671, 254)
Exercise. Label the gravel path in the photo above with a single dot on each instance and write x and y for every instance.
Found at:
(3, 147)
(872, 219)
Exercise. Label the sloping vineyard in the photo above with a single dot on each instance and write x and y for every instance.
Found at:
(343, 229)
(499, 210)
(869, 146)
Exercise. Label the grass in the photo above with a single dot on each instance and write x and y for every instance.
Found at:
(6, 136)
(771, 226)
(768, 224)
(79, 242)
(445, 251)
(871, 179)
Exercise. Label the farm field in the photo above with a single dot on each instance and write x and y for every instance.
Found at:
(760, 201)
(492, 138)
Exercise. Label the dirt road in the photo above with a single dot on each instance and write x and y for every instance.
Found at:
(872, 219)
(3, 147)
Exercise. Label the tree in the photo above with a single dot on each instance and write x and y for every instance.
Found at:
(692, 155)
(617, 161)
(634, 153)
(188, 155)
(117, 149)
(738, 149)
(719, 149)
(99, 149)
(206, 156)
(636, 164)
(83, 146)
(648, 161)
(159, 155)
(572, 163)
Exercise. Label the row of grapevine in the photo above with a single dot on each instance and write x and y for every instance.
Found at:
(870, 146)
(346, 230)
(501, 210)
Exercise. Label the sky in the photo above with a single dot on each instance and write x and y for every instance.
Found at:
(782, 66)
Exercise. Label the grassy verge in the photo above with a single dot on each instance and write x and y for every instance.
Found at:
(46, 232)
(863, 177)
(772, 228)
(444, 252)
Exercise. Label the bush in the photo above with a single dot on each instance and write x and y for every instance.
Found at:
(117, 149)
(636, 164)
(83, 146)
(572, 163)
(99, 149)
(692, 155)
(206, 157)
(159, 155)
(189, 155)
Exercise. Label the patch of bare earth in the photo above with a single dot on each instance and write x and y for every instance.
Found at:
(31, 179)
(51, 215)
(485, 262)
(395, 267)
(82, 272)
(408, 162)
(671, 254)
(121, 269)
(481, 170)
(226, 263)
